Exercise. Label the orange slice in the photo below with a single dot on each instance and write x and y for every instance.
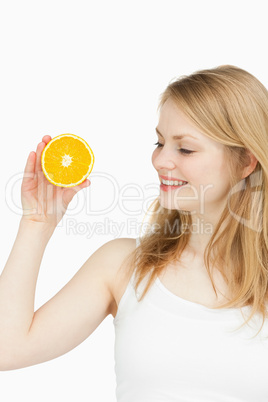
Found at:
(67, 160)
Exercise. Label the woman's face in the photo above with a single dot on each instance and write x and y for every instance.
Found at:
(193, 164)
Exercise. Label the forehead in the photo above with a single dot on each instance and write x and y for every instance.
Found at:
(173, 122)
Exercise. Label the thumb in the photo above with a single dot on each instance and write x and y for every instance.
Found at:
(85, 184)
(69, 193)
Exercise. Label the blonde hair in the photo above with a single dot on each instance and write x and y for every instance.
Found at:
(229, 105)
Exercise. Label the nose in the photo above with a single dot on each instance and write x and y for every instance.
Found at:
(163, 159)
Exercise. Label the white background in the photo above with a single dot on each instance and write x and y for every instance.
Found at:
(96, 69)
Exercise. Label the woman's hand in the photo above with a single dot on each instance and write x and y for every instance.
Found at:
(41, 200)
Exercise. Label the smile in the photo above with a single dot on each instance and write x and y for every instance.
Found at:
(173, 182)
(169, 185)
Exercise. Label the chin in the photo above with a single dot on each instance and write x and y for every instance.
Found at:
(171, 204)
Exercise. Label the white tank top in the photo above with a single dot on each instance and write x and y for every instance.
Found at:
(169, 349)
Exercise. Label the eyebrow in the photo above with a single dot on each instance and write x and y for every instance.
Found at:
(176, 137)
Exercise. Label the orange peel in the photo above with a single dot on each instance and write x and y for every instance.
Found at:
(67, 160)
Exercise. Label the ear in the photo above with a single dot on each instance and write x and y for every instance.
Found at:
(250, 166)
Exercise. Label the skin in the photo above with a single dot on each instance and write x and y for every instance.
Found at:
(204, 169)
(36, 205)
(29, 337)
(204, 197)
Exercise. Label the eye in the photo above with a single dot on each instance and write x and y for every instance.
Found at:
(185, 151)
(158, 144)
(181, 150)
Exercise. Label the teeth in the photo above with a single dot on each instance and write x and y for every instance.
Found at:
(173, 183)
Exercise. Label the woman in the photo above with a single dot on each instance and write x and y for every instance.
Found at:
(190, 299)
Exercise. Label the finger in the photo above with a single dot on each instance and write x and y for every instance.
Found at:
(85, 184)
(29, 169)
(69, 193)
(39, 151)
(46, 139)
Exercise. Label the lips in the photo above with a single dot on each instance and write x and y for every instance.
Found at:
(171, 183)
(171, 179)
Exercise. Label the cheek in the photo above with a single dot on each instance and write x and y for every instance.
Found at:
(213, 179)
(192, 169)
(154, 155)
(205, 172)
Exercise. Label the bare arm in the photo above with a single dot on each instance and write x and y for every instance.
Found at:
(28, 337)
(18, 282)
(66, 320)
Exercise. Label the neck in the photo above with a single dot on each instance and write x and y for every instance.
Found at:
(201, 231)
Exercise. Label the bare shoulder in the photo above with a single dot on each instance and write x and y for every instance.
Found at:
(116, 251)
(117, 273)
(74, 313)
(119, 247)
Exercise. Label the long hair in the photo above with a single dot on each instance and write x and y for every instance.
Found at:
(230, 106)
